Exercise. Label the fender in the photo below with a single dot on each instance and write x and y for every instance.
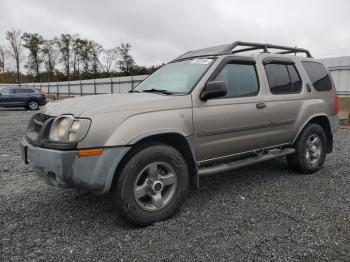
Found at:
(305, 123)
(155, 132)
(185, 146)
(138, 126)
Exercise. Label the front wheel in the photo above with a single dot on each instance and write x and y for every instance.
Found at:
(310, 150)
(152, 185)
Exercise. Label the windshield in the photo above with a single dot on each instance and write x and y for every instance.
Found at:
(177, 78)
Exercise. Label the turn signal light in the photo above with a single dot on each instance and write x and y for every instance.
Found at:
(90, 152)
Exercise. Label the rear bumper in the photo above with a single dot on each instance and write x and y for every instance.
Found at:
(334, 123)
(42, 101)
(67, 169)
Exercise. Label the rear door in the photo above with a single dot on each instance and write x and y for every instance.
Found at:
(287, 97)
(237, 122)
(22, 96)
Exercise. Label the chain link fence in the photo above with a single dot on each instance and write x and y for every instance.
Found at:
(113, 85)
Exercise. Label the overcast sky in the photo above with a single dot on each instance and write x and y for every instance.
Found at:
(160, 30)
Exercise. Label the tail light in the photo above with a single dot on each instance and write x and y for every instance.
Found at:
(42, 93)
(336, 104)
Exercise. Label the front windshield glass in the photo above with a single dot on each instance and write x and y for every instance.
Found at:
(177, 78)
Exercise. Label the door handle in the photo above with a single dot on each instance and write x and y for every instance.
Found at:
(260, 105)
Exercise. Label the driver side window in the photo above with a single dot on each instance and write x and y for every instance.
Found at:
(240, 79)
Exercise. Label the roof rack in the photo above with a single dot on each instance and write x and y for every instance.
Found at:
(248, 46)
(265, 47)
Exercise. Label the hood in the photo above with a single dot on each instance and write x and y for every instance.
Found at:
(99, 104)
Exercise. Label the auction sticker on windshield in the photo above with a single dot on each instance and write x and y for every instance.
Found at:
(201, 61)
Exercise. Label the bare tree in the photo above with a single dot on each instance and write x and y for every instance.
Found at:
(126, 61)
(65, 44)
(76, 50)
(109, 59)
(2, 59)
(34, 43)
(15, 50)
(96, 50)
(50, 58)
(85, 56)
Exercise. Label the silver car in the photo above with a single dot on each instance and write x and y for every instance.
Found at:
(208, 111)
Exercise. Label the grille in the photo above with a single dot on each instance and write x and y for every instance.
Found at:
(35, 126)
(39, 120)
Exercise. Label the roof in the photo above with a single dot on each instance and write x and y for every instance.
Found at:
(244, 47)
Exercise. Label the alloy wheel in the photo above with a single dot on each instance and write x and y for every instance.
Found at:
(155, 186)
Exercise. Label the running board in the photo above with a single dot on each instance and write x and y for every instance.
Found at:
(271, 154)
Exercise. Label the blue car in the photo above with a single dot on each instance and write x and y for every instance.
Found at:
(29, 98)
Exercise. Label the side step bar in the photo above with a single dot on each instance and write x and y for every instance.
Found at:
(271, 154)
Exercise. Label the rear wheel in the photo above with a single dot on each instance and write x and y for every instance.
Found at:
(311, 148)
(152, 185)
(33, 105)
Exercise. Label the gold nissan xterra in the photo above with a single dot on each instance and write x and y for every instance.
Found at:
(208, 111)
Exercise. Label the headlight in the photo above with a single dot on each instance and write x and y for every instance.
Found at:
(62, 127)
(68, 129)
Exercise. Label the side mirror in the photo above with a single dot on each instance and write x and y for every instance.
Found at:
(213, 89)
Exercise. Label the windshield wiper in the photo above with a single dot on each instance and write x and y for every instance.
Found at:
(163, 91)
(134, 91)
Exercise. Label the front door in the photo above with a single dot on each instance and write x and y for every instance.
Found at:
(237, 122)
(6, 97)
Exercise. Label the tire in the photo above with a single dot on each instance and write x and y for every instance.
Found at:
(33, 105)
(311, 148)
(137, 193)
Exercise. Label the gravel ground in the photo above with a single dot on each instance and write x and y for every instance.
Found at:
(258, 213)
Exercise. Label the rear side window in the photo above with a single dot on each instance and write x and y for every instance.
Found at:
(240, 80)
(278, 77)
(318, 76)
(283, 79)
(24, 91)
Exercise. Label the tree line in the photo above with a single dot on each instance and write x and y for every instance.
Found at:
(65, 57)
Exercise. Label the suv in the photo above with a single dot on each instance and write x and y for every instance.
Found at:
(208, 111)
(28, 98)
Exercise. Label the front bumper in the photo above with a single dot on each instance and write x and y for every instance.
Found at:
(67, 169)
